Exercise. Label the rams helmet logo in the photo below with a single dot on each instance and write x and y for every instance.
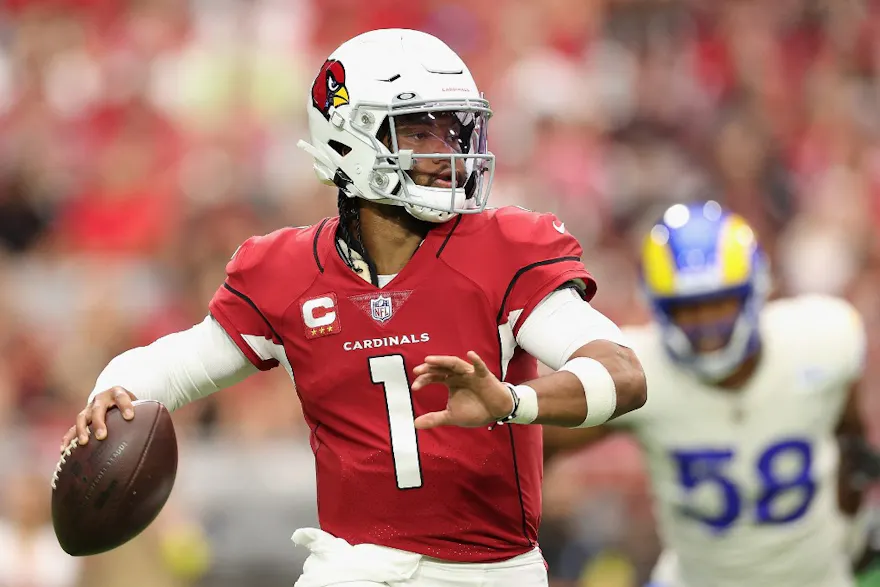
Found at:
(329, 89)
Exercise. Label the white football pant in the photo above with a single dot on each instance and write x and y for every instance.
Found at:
(334, 562)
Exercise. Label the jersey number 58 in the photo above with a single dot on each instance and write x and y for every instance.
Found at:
(698, 468)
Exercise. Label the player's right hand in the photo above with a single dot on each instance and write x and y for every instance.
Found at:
(96, 412)
(476, 396)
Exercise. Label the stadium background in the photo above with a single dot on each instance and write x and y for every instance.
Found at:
(142, 141)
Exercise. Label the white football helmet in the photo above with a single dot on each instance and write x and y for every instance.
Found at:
(365, 85)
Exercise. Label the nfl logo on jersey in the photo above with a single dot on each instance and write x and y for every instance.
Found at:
(380, 308)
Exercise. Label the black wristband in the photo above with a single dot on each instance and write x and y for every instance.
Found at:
(515, 396)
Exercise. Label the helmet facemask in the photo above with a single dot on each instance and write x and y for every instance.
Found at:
(737, 335)
(430, 157)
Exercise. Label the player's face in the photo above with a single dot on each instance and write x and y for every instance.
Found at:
(433, 132)
(708, 324)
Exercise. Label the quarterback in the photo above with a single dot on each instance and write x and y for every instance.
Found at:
(750, 405)
(412, 323)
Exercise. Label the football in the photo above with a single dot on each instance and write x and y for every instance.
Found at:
(108, 491)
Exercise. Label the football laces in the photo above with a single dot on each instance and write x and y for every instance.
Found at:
(73, 444)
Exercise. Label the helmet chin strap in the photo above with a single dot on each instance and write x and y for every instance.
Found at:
(429, 214)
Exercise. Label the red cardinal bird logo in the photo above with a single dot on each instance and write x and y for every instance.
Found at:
(329, 88)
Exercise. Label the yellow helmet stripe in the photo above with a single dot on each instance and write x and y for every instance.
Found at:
(658, 263)
(736, 243)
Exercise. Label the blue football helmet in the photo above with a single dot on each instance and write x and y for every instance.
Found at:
(697, 254)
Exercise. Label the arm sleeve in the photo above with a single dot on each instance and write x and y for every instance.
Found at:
(179, 368)
(562, 323)
(234, 309)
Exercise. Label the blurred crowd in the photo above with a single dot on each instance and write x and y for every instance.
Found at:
(141, 141)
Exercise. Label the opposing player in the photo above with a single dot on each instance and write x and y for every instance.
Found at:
(411, 324)
(749, 406)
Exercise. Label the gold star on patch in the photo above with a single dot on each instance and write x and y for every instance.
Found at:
(314, 332)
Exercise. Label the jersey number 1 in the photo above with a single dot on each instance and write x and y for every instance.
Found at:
(390, 372)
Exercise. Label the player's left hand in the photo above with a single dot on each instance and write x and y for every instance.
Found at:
(476, 396)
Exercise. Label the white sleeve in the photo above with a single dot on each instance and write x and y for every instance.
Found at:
(561, 324)
(179, 368)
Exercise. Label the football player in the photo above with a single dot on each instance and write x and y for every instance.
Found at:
(751, 434)
(411, 324)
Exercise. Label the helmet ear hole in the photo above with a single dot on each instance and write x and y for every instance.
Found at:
(340, 148)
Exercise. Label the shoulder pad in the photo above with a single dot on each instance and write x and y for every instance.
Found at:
(520, 226)
(285, 247)
(834, 324)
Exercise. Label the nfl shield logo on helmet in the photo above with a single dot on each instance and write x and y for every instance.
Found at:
(380, 308)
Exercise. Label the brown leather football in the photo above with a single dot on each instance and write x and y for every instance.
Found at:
(107, 492)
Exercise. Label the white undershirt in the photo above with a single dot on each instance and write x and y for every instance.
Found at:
(385, 279)
(185, 366)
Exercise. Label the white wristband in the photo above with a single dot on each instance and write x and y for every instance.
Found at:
(599, 389)
(527, 409)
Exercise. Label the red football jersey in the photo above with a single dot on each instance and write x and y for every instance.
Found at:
(459, 494)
